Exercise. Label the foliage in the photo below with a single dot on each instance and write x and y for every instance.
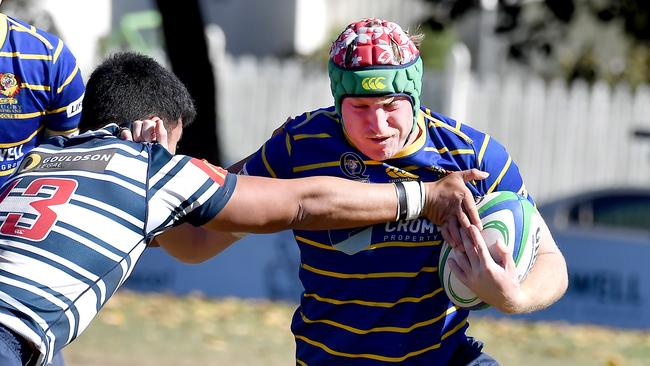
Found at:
(580, 39)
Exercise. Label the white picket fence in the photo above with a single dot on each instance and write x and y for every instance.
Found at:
(564, 138)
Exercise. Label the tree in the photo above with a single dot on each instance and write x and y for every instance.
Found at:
(568, 34)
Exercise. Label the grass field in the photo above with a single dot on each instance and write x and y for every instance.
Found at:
(147, 330)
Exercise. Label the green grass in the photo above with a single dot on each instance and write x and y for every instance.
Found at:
(148, 330)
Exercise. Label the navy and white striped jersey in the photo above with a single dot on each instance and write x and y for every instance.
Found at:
(40, 88)
(373, 295)
(77, 216)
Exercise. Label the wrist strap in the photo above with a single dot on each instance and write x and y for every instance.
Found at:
(402, 201)
(410, 199)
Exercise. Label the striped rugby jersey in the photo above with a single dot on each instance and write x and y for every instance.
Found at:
(40, 88)
(372, 295)
(76, 218)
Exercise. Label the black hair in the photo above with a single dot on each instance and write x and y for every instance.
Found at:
(127, 87)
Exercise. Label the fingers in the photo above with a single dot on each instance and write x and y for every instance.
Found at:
(136, 131)
(453, 230)
(482, 252)
(161, 132)
(457, 270)
(474, 174)
(503, 255)
(125, 134)
(470, 213)
(470, 250)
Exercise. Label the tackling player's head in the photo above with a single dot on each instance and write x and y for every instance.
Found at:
(127, 87)
(375, 74)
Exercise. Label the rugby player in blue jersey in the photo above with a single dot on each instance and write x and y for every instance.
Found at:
(372, 295)
(40, 94)
(40, 90)
(79, 211)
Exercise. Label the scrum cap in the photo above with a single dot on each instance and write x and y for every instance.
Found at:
(375, 57)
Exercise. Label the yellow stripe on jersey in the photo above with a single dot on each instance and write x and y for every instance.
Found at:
(20, 115)
(354, 330)
(437, 123)
(311, 136)
(61, 133)
(26, 56)
(482, 151)
(405, 244)
(7, 172)
(35, 87)
(58, 110)
(380, 357)
(374, 303)
(57, 53)
(266, 162)
(309, 116)
(452, 152)
(287, 141)
(12, 144)
(503, 172)
(68, 80)
(302, 168)
(313, 243)
(368, 275)
(462, 152)
(301, 363)
(19, 28)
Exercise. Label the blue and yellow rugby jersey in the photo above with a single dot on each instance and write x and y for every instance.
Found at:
(77, 216)
(40, 88)
(381, 303)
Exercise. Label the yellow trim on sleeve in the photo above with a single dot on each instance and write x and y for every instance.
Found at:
(287, 141)
(21, 115)
(301, 363)
(266, 162)
(503, 172)
(69, 79)
(61, 133)
(437, 123)
(482, 151)
(57, 53)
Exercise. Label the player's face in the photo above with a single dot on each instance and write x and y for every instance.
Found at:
(378, 126)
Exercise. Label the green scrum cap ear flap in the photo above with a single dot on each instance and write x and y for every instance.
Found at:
(375, 57)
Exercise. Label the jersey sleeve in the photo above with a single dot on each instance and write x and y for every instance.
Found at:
(273, 159)
(66, 92)
(504, 172)
(182, 189)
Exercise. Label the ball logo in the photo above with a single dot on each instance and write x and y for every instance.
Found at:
(373, 83)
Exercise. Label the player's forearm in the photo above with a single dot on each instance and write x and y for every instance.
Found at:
(263, 205)
(191, 244)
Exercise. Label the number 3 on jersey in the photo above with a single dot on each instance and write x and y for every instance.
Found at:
(40, 194)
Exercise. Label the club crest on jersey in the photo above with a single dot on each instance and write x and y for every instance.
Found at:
(353, 166)
(9, 85)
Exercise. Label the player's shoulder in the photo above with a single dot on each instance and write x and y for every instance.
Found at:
(32, 39)
(322, 120)
(452, 131)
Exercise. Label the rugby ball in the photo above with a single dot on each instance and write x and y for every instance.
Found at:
(504, 215)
